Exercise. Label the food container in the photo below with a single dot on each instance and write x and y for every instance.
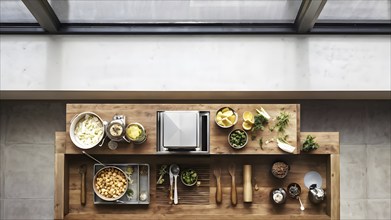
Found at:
(280, 169)
(233, 145)
(139, 187)
(278, 196)
(106, 169)
(187, 171)
(141, 138)
(224, 118)
(99, 130)
(115, 130)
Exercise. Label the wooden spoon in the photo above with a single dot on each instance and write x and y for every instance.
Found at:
(234, 198)
(219, 195)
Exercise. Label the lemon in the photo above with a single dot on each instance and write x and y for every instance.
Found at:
(232, 118)
(226, 122)
(248, 117)
(247, 126)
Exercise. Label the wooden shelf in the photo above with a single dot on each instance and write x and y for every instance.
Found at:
(324, 160)
(146, 115)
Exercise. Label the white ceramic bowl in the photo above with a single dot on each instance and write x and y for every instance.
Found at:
(75, 139)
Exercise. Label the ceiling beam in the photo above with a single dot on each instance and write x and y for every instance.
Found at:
(308, 14)
(44, 14)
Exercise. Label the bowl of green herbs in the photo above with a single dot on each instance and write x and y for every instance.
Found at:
(189, 177)
(237, 138)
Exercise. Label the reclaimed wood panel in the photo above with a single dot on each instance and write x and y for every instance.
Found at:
(333, 189)
(328, 142)
(61, 197)
(261, 206)
(146, 115)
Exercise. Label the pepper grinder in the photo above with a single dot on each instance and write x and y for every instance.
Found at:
(247, 187)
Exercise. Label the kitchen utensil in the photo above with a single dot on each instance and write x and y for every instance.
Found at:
(294, 191)
(316, 194)
(234, 146)
(247, 186)
(219, 194)
(280, 169)
(88, 155)
(75, 139)
(174, 169)
(232, 123)
(311, 178)
(278, 196)
(140, 139)
(171, 186)
(115, 129)
(189, 172)
(301, 204)
(82, 171)
(231, 170)
(98, 174)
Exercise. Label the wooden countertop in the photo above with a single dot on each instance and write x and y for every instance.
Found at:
(146, 115)
(324, 160)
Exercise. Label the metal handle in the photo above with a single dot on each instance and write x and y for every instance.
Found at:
(93, 158)
(175, 191)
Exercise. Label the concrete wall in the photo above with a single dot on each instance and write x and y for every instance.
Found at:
(195, 63)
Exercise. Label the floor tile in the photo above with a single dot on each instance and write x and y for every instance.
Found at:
(379, 208)
(348, 117)
(353, 209)
(29, 171)
(379, 116)
(353, 172)
(1, 209)
(379, 172)
(28, 209)
(34, 122)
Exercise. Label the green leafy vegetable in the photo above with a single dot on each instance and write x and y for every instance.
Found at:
(162, 172)
(259, 124)
(282, 122)
(189, 177)
(238, 138)
(310, 144)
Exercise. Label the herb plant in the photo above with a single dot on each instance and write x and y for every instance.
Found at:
(309, 144)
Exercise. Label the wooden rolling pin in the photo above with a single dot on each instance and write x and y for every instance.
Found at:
(247, 187)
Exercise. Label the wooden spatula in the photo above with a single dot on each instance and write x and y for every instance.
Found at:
(82, 171)
(219, 194)
(234, 198)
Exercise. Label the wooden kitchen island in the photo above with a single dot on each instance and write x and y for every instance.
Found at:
(324, 160)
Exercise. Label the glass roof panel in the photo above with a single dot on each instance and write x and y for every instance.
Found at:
(14, 11)
(169, 11)
(356, 11)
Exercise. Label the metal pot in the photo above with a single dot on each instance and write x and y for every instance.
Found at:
(278, 196)
(316, 194)
(115, 129)
(75, 120)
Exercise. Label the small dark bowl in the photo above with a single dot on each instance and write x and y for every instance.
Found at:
(282, 176)
(294, 190)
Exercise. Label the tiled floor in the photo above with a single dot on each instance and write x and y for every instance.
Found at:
(27, 155)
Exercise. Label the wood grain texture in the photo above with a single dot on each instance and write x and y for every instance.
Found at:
(260, 207)
(146, 115)
(328, 142)
(61, 198)
(333, 190)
